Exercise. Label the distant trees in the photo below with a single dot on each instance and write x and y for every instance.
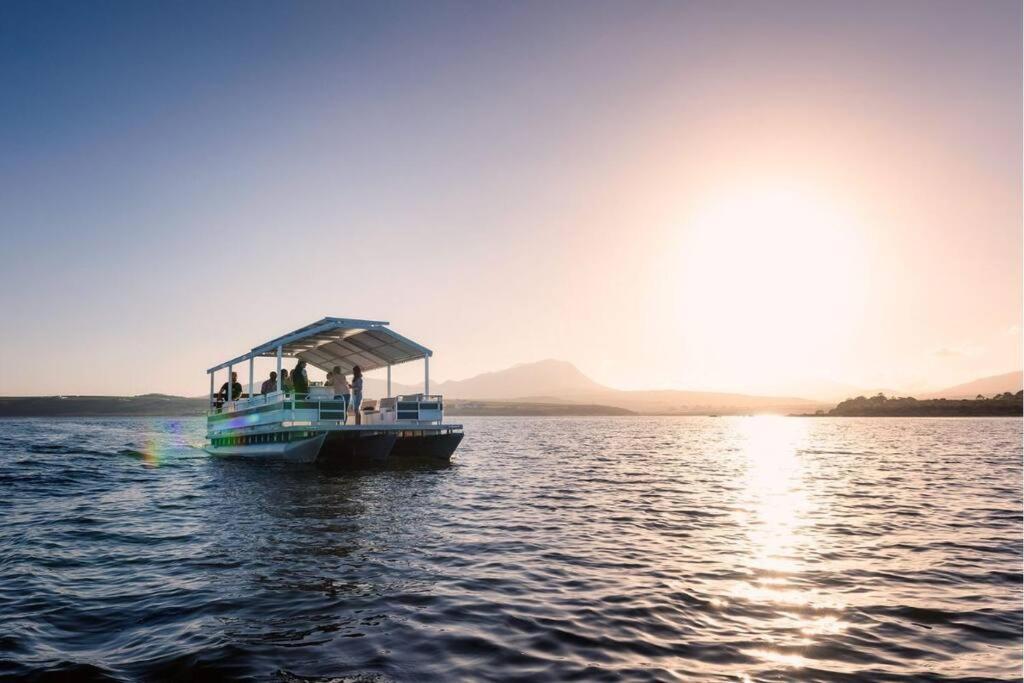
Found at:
(1005, 404)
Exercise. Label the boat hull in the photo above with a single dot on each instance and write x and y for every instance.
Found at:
(355, 449)
(300, 451)
(344, 448)
(428, 446)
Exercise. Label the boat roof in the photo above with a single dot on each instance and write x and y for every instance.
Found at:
(343, 342)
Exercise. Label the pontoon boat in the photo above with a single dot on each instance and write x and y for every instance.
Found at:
(315, 426)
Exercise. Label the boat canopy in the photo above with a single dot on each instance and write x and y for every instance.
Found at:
(342, 342)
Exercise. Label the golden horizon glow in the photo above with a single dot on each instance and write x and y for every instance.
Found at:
(772, 280)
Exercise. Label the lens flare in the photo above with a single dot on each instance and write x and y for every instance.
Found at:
(163, 439)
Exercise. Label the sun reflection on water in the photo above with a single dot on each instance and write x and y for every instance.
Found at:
(777, 515)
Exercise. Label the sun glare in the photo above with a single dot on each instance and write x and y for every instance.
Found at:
(770, 284)
(778, 511)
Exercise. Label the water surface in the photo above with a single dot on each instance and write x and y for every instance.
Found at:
(551, 549)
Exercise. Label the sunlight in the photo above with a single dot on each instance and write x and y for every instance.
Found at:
(780, 658)
(775, 495)
(771, 284)
(777, 509)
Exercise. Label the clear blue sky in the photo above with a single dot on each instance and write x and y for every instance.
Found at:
(507, 182)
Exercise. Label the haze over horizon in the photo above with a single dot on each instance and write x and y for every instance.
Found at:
(715, 196)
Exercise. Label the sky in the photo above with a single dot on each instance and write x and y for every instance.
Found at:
(746, 196)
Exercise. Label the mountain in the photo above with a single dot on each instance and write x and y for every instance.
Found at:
(547, 378)
(546, 381)
(557, 381)
(985, 386)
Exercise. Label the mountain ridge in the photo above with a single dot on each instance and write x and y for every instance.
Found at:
(548, 382)
(559, 381)
(983, 386)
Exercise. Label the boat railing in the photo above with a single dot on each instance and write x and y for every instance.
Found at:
(315, 409)
(219, 405)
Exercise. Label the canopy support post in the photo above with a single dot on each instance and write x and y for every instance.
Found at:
(231, 374)
(251, 359)
(389, 380)
(279, 368)
(426, 375)
(212, 400)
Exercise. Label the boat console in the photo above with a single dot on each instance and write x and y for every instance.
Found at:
(407, 409)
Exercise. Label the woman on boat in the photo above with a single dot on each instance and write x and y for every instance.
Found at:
(357, 392)
(286, 382)
(341, 387)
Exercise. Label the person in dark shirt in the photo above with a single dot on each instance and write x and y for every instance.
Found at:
(269, 386)
(236, 389)
(357, 392)
(299, 379)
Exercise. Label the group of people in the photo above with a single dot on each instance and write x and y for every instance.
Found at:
(298, 383)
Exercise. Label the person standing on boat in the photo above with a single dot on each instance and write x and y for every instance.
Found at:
(286, 381)
(357, 392)
(341, 387)
(270, 385)
(299, 379)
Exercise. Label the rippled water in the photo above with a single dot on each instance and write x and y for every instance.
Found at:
(551, 549)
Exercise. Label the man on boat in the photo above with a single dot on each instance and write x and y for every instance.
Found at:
(299, 379)
(270, 385)
(236, 389)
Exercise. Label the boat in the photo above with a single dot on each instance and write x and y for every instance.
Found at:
(314, 427)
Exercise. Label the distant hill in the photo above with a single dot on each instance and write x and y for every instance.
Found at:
(558, 381)
(549, 378)
(544, 381)
(1002, 405)
(986, 386)
(147, 405)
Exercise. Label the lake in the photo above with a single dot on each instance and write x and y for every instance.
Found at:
(632, 548)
